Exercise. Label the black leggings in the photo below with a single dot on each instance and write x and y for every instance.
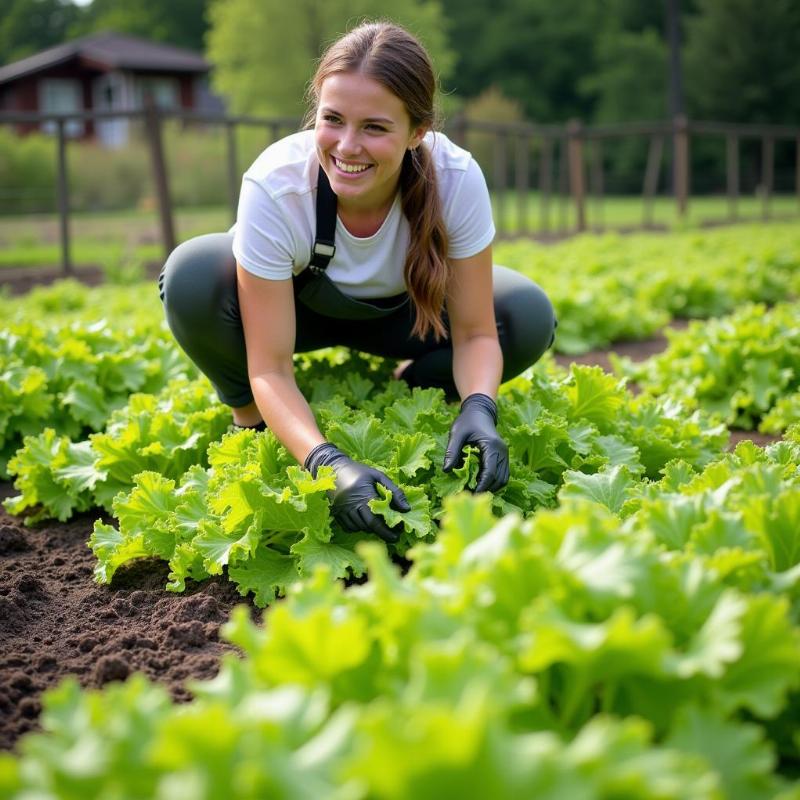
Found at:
(198, 290)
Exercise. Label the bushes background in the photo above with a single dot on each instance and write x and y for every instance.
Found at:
(110, 180)
(107, 180)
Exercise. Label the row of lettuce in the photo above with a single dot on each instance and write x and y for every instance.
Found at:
(203, 503)
(639, 640)
(604, 287)
(743, 367)
(74, 378)
(623, 620)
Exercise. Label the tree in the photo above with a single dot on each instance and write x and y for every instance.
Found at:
(182, 23)
(490, 105)
(598, 60)
(629, 81)
(741, 61)
(534, 51)
(28, 26)
(265, 51)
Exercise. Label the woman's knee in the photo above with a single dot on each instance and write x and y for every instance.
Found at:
(525, 320)
(199, 278)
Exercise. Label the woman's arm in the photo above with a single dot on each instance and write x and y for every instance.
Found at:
(477, 370)
(477, 357)
(268, 318)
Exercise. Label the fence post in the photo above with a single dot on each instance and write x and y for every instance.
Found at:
(767, 172)
(797, 169)
(577, 184)
(152, 120)
(652, 171)
(500, 179)
(680, 134)
(63, 199)
(546, 182)
(562, 186)
(521, 175)
(233, 179)
(459, 129)
(598, 181)
(732, 164)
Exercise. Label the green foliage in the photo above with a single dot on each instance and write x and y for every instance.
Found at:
(265, 52)
(612, 287)
(67, 301)
(567, 655)
(628, 83)
(182, 23)
(256, 513)
(741, 61)
(738, 367)
(27, 26)
(106, 179)
(490, 106)
(71, 376)
(165, 434)
(27, 172)
(103, 180)
(620, 621)
(630, 77)
(535, 52)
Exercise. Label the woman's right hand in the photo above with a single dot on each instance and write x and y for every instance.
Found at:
(355, 487)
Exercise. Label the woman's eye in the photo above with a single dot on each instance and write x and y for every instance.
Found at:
(370, 126)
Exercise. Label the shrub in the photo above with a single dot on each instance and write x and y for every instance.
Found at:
(27, 173)
(490, 106)
(101, 179)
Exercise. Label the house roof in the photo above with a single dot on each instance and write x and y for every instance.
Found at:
(112, 51)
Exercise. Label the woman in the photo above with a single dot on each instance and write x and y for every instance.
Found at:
(369, 231)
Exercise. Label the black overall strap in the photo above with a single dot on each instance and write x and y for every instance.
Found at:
(324, 248)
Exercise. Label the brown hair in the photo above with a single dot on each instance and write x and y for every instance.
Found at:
(394, 58)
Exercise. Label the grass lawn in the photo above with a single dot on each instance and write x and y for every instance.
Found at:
(618, 212)
(120, 239)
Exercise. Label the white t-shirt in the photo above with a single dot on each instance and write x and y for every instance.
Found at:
(276, 220)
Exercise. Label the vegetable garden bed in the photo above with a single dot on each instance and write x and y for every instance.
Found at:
(56, 621)
(621, 620)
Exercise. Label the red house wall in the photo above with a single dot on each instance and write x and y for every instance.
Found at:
(22, 95)
(187, 91)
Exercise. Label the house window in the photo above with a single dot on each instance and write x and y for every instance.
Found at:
(61, 96)
(164, 91)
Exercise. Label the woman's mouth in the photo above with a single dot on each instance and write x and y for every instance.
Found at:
(350, 169)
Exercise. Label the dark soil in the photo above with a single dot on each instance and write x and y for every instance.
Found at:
(56, 621)
(639, 351)
(18, 281)
(636, 351)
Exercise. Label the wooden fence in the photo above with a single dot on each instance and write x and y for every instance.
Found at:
(569, 174)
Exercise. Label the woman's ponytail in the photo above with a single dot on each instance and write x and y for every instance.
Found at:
(426, 269)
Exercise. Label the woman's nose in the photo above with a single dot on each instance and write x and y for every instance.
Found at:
(350, 141)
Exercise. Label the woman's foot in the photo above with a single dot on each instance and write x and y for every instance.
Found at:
(247, 416)
(398, 370)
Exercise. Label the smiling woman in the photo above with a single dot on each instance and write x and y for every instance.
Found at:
(362, 154)
(367, 230)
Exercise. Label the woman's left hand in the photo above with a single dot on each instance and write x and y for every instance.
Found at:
(475, 425)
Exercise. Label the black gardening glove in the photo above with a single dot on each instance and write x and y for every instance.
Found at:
(475, 425)
(355, 487)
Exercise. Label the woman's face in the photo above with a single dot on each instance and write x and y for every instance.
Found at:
(362, 132)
